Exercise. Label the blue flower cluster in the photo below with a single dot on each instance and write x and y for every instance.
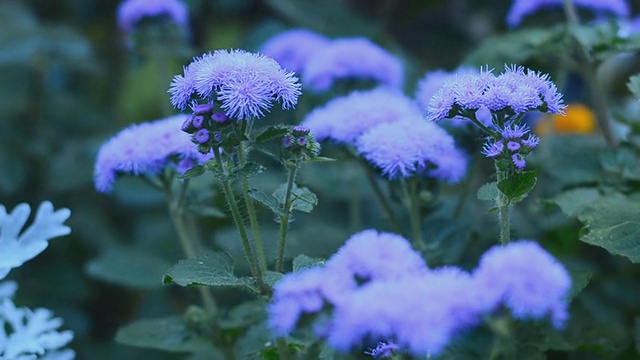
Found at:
(513, 145)
(131, 12)
(377, 287)
(244, 84)
(521, 8)
(322, 62)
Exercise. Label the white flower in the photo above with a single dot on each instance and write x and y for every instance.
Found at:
(16, 247)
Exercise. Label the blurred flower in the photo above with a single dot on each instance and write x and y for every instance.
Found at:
(131, 12)
(352, 58)
(145, 149)
(345, 118)
(293, 48)
(245, 84)
(526, 279)
(17, 245)
(413, 146)
(521, 8)
(578, 119)
(432, 81)
(383, 350)
(515, 91)
(29, 334)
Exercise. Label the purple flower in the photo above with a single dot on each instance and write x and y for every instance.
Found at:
(531, 142)
(202, 136)
(521, 8)
(526, 279)
(293, 48)
(246, 84)
(352, 58)
(422, 313)
(518, 161)
(383, 350)
(345, 118)
(130, 12)
(517, 90)
(492, 149)
(143, 149)
(413, 146)
(432, 81)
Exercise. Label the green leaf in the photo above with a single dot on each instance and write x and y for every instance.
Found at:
(488, 192)
(303, 199)
(271, 278)
(614, 224)
(302, 262)
(634, 85)
(193, 172)
(270, 132)
(168, 334)
(268, 201)
(517, 186)
(572, 201)
(320, 159)
(128, 267)
(238, 172)
(212, 269)
(579, 280)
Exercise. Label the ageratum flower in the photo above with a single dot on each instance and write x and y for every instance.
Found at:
(345, 118)
(517, 90)
(513, 145)
(131, 12)
(18, 245)
(413, 146)
(245, 84)
(383, 350)
(526, 279)
(432, 81)
(521, 8)
(293, 48)
(352, 58)
(421, 313)
(145, 149)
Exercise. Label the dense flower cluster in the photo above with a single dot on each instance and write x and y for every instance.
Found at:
(145, 149)
(294, 48)
(244, 84)
(131, 12)
(521, 8)
(17, 245)
(432, 81)
(376, 287)
(516, 91)
(513, 145)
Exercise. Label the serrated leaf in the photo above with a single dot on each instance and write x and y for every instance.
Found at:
(517, 186)
(167, 334)
(267, 200)
(302, 262)
(212, 269)
(488, 191)
(572, 201)
(613, 223)
(128, 267)
(270, 132)
(248, 169)
(303, 199)
(193, 172)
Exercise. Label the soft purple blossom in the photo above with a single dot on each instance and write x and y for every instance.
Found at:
(345, 118)
(518, 161)
(526, 279)
(202, 136)
(293, 48)
(493, 149)
(352, 58)
(131, 12)
(521, 8)
(513, 146)
(531, 142)
(422, 313)
(413, 146)
(143, 149)
(245, 84)
(383, 350)
(517, 89)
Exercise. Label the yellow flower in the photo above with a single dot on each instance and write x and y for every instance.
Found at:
(579, 119)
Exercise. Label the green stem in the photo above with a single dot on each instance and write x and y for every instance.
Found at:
(504, 208)
(383, 201)
(284, 219)
(283, 349)
(189, 245)
(413, 204)
(588, 68)
(237, 219)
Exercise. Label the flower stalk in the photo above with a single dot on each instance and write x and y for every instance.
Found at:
(286, 215)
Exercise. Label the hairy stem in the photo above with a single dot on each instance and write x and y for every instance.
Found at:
(410, 192)
(284, 218)
(504, 208)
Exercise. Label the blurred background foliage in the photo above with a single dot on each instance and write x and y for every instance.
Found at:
(69, 80)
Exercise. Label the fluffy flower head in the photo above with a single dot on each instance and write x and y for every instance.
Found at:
(18, 246)
(345, 118)
(352, 58)
(413, 146)
(245, 84)
(130, 12)
(521, 8)
(293, 48)
(144, 149)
